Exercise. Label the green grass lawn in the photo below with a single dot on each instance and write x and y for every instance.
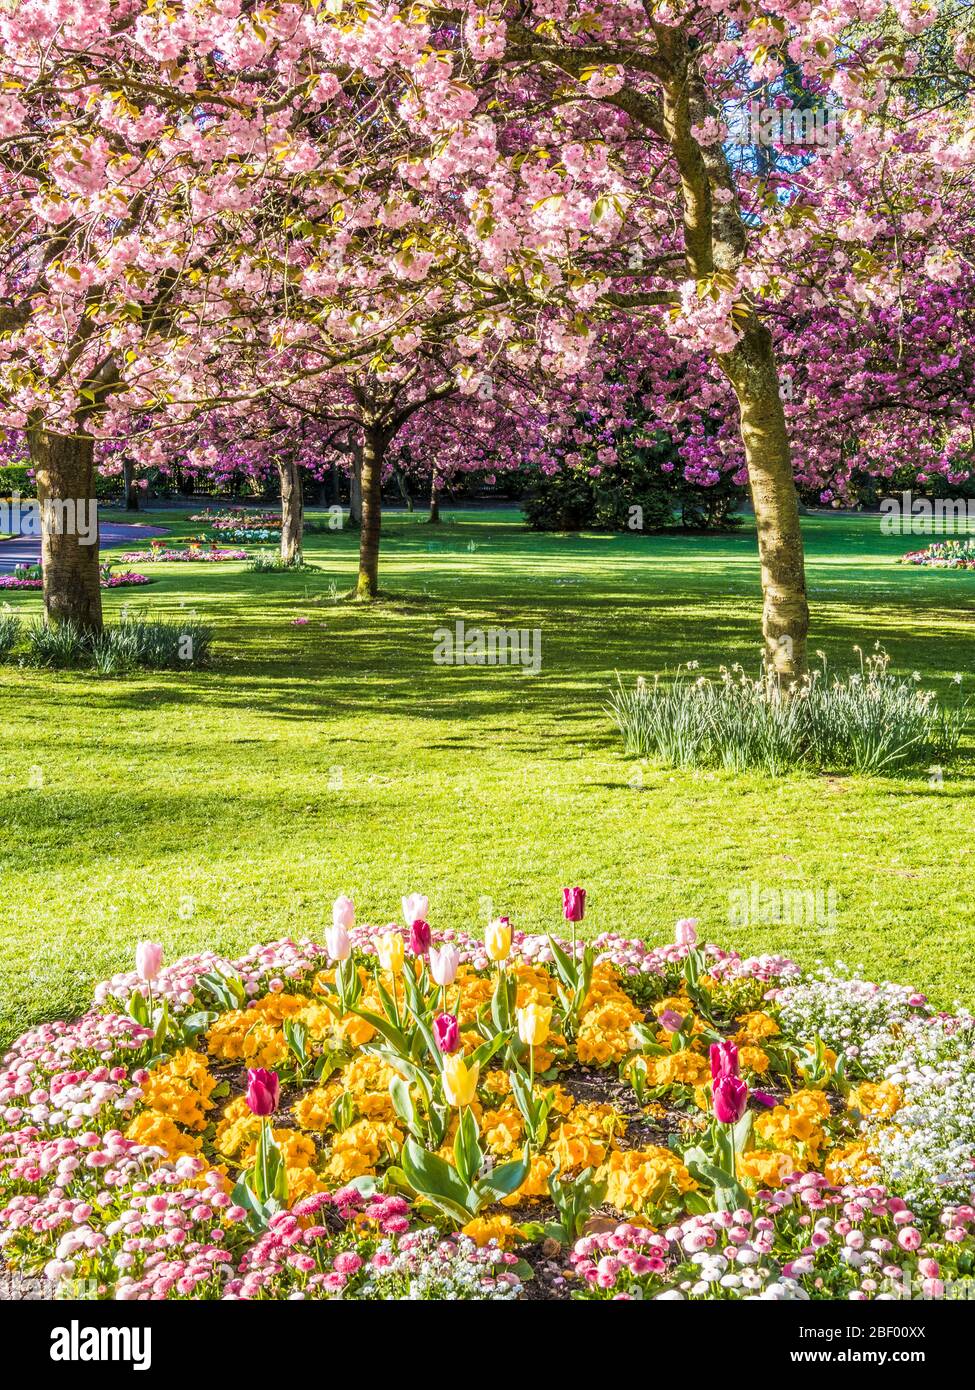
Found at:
(222, 807)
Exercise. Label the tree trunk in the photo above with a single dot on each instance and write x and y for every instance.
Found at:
(752, 371)
(404, 491)
(434, 517)
(292, 511)
(716, 245)
(373, 448)
(65, 472)
(130, 486)
(355, 490)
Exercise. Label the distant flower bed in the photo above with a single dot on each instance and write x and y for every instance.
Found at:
(234, 518)
(160, 554)
(943, 555)
(403, 1113)
(30, 577)
(248, 533)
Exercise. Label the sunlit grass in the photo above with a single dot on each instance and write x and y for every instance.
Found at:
(218, 807)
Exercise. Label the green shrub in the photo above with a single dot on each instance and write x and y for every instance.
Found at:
(870, 721)
(644, 491)
(14, 477)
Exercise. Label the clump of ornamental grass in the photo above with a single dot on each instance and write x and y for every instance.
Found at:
(269, 562)
(134, 643)
(868, 721)
(9, 634)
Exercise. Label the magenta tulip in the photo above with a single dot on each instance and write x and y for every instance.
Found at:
(724, 1060)
(263, 1091)
(573, 904)
(420, 937)
(446, 1032)
(730, 1095)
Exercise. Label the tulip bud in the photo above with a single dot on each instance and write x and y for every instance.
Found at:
(391, 951)
(444, 964)
(338, 943)
(497, 939)
(671, 1021)
(724, 1059)
(415, 905)
(446, 1032)
(685, 933)
(263, 1091)
(730, 1096)
(573, 904)
(534, 1024)
(343, 912)
(420, 937)
(459, 1081)
(148, 959)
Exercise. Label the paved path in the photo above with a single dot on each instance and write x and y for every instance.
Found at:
(26, 550)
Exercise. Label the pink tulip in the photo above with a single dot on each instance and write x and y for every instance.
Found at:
(446, 1032)
(420, 937)
(444, 964)
(730, 1095)
(263, 1091)
(148, 959)
(343, 912)
(685, 933)
(573, 904)
(415, 905)
(338, 942)
(724, 1060)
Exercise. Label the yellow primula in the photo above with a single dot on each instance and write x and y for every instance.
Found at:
(641, 1178)
(360, 1149)
(483, 1229)
(754, 1027)
(160, 1132)
(876, 1098)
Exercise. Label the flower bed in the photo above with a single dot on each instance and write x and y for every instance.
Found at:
(943, 555)
(193, 553)
(414, 1114)
(242, 526)
(29, 577)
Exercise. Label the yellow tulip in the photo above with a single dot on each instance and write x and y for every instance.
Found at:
(390, 948)
(534, 1024)
(497, 939)
(459, 1080)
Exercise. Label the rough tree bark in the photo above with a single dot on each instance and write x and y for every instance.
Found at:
(292, 510)
(64, 467)
(374, 441)
(434, 517)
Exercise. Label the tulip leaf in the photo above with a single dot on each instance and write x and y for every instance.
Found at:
(388, 1030)
(504, 1180)
(432, 1177)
